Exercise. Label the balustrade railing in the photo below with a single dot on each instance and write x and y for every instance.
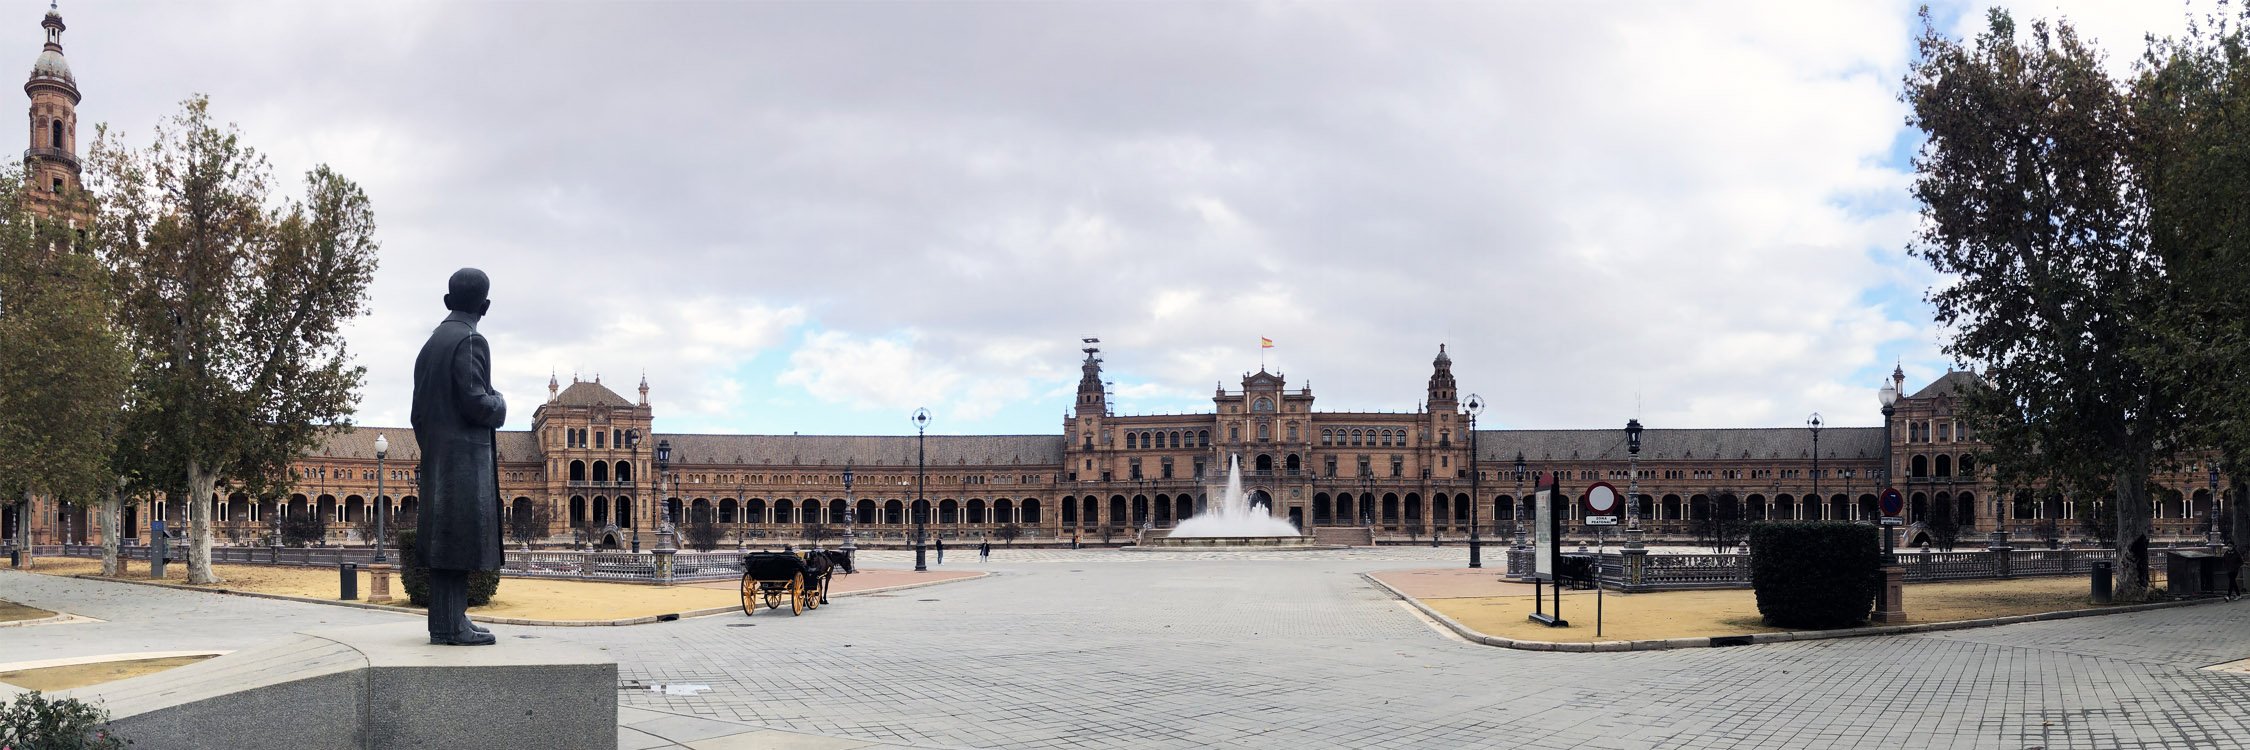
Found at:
(1672, 571)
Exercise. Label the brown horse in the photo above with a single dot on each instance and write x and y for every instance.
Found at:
(821, 565)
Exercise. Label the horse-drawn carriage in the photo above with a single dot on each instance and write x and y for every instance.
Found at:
(801, 581)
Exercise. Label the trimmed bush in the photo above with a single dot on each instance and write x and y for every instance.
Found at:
(1815, 574)
(416, 579)
(34, 720)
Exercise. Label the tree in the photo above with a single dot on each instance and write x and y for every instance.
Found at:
(63, 366)
(1008, 533)
(2193, 96)
(2031, 203)
(303, 529)
(1943, 527)
(702, 535)
(235, 307)
(531, 525)
(815, 532)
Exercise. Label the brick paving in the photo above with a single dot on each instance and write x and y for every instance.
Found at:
(1063, 648)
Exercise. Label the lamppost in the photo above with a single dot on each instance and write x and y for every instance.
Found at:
(382, 451)
(921, 512)
(2211, 537)
(1633, 484)
(1889, 397)
(1518, 500)
(851, 512)
(664, 533)
(633, 444)
(1813, 423)
(1476, 543)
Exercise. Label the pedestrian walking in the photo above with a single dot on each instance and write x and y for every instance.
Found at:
(941, 550)
(1074, 540)
(2233, 563)
(984, 552)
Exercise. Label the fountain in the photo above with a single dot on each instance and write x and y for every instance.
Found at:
(1233, 522)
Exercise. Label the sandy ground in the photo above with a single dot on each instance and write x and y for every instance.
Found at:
(525, 598)
(13, 612)
(1477, 599)
(81, 675)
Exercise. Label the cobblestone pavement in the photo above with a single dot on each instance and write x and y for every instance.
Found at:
(1300, 652)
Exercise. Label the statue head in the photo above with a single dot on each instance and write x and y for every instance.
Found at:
(466, 291)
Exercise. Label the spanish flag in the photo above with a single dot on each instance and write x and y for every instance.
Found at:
(1265, 343)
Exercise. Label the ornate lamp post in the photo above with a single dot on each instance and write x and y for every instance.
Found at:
(851, 512)
(664, 532)
(382, 451)
(1633, 484)
(1813, 423)
(1889, 398)
(1518, 501)
(1476, 543)
(2211, 537)
(633, 443)
(921, 512)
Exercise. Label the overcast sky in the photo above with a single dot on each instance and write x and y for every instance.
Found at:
(816, 217)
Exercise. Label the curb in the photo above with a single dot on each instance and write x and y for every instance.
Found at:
(643, 620)
(48, 620)
(1746, 639)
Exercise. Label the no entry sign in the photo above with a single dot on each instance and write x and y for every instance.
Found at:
(1602, 502)
(1894, 505)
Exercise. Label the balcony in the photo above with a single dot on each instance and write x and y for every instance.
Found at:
(53, 154)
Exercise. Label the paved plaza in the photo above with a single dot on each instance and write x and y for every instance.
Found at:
(1064, 648)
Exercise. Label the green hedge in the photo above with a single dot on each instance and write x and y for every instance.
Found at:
(416, 579)
(1821, 574)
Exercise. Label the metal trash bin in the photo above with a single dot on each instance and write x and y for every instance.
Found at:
(2103, 570)
(348, 574)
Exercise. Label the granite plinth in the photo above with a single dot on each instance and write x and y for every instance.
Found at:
(380, 687)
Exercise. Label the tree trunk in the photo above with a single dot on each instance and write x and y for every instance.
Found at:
(109, 510)
(199, 487)
(2133, 528)
(2238, 512)
(24, 515)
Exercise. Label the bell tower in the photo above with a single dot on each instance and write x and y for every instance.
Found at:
(1092, 400)
(1442, 397)
(51, 163)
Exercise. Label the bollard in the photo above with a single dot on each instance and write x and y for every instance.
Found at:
(349, 579)
(2102, 581)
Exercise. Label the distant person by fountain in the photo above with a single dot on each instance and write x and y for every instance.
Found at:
(1233, 515)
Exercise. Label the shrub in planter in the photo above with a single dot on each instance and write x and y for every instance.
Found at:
(416, 579)
(1820, 574)
(34, 720)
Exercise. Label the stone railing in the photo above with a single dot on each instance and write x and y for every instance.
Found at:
(628, 567)
(1671, 571)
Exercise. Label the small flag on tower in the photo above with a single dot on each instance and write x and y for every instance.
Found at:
(1265, 343)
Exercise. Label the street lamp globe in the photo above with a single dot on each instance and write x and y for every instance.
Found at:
(1888, 395)
(382, 446)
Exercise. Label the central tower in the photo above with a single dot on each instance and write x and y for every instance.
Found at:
(51, 162)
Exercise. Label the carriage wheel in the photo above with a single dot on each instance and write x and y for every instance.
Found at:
(749, 595)
(813, 595)
(797, 594)
(772, 591)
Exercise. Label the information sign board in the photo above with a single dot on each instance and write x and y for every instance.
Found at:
(1543, 529)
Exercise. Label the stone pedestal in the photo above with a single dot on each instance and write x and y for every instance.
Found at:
(1636, 566)
(378, 687)
(664, 564)
(1890, 607)
(379, 583)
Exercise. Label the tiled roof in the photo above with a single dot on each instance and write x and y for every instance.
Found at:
(359, 442)
(590, 393)
(1946, 386)
(1609, 445)
(837, 450)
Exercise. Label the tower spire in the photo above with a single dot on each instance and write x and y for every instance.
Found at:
(51, 164)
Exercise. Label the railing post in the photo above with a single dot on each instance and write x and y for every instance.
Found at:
(664, 565)
(1636, 568)
(2003, 556)
(586, 565)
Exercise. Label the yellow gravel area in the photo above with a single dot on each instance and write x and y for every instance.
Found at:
(524, 598)
(81, 675)
(1695, 614)
(13, 612)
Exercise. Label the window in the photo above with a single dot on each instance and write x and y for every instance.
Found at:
(1262, 404)
(1292, 433)
(1398, 466)
(1265, 433)
(1327, 437)
(598, 439)
(1132, 441)
(1234, 434)
(1203, 437)
(55, 133)
(58, 185)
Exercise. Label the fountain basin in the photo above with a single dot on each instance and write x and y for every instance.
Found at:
(1231, 542)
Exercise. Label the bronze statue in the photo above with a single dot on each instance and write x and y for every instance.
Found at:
(456, 414)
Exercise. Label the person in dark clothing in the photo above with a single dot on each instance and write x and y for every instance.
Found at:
(941, 550)
(984, 551)
(2233, 563)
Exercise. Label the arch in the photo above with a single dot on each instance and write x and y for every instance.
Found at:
(894, 512)
(1163, 508)
(754, 510)
(1755, 510)
(55, 133)
(1327, 437)
(1390, 507)
(577, 470)
(1344, 514)
(1504, 507)
(624, 472)
(354, 510)
(1132, 440)
(1322, 508)
(520, 508)
(1867, 507)
(1698, 508)
(1260, 498)
(949, 511)
(1140, 509)
(1414, 508)
(601, 472)
(975, 512)
(1069, 511)
(1091, 514)
(809, 511)
(1292, 464)
(1920, 466)
(1264, 463)
(1441, 509)
(1003, 510)
(1944, 465)
(1203, 438)
(699, 511)
(784, 511)
(1966, 466)
(1030, 510)
(1966, 511)
(730, 511)
(1917, 506)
